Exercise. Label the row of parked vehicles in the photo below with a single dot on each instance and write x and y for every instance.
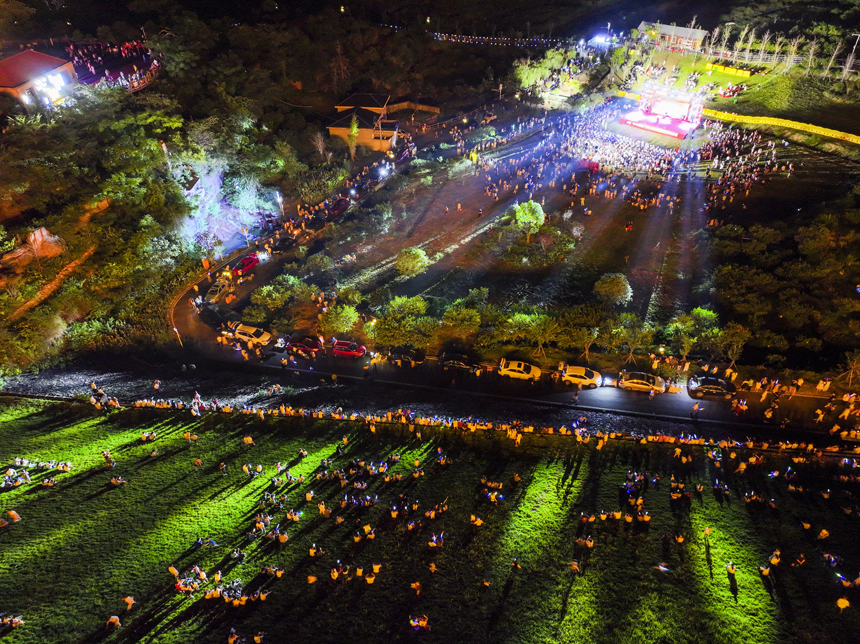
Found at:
(309, 346)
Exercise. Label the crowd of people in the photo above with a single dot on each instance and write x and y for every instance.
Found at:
(361, 481)
(130, 64)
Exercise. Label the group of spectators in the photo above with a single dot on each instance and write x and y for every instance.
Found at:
(130, 64)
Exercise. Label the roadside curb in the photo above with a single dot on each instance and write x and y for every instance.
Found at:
(258, 367)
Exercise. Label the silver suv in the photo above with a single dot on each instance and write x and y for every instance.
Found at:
(246, 333)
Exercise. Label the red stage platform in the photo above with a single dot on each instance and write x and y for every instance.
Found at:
(676, 128)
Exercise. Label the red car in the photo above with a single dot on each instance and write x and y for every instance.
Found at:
(348, 349)
(246, 264)
(340, 206)
(307, 344)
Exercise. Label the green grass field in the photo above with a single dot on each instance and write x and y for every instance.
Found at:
(83, 545)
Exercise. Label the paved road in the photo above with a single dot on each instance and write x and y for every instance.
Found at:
(193, 331)
(430, 376)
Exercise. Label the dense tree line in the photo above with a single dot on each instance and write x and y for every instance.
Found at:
(794, 286)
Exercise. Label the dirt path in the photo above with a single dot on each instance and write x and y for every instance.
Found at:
(48, 289)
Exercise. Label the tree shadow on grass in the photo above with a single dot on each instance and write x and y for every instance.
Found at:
(733, 585)
(496, 615)
(104, 489)
(564, 603)
(708, 559)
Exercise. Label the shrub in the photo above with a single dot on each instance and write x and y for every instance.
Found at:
(411, 262)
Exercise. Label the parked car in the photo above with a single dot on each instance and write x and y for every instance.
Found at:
(701, 386)
(247, 333)
(519, 370)
(215, 317)
(572, 375)
(638, 381)
(307, 344)
(340, 206)
(405, 356)
(457, 362)
(361, 188)
(348, 349)
(283, 244)
(246, 264)
(218, 291)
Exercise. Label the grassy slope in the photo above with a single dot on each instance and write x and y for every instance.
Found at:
(82, 546)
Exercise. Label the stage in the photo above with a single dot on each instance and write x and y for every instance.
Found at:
(674, 127)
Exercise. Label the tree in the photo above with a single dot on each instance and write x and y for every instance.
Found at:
(338, 320)
(733, 339)
(750, 41)
(836, 50)
(810, 55)
(739, 43)
(349, 295)
(609, 336)
(462, 320)
(778, 44)
(852, 366)
(765, 39)
(281, 290)
(318, 141)
(793, 46)
(12, 14)
(7, 242)
(404, 323)
(847, 66)
(515, 327)
(581, 337)
(411, 261)
(682, 333)
(613, 289)
(319, 263)
(727, 32)
(715, 34)
(352, 137)
(254, 314)
(635, 333)
(339, 68)
(542, 329)
(579, 327)
(528, 218)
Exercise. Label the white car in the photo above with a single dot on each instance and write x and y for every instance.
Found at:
(247, 333)
(638, 381)
(217, 291)
(519, 370)
(571, 375)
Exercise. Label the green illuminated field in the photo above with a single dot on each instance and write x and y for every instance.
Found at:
(83, 545)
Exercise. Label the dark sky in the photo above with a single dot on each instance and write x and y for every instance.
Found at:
(563, 17)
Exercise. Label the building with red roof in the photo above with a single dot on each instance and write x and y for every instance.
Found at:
(32, 76)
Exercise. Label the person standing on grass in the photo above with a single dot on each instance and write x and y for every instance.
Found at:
(129, 602)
